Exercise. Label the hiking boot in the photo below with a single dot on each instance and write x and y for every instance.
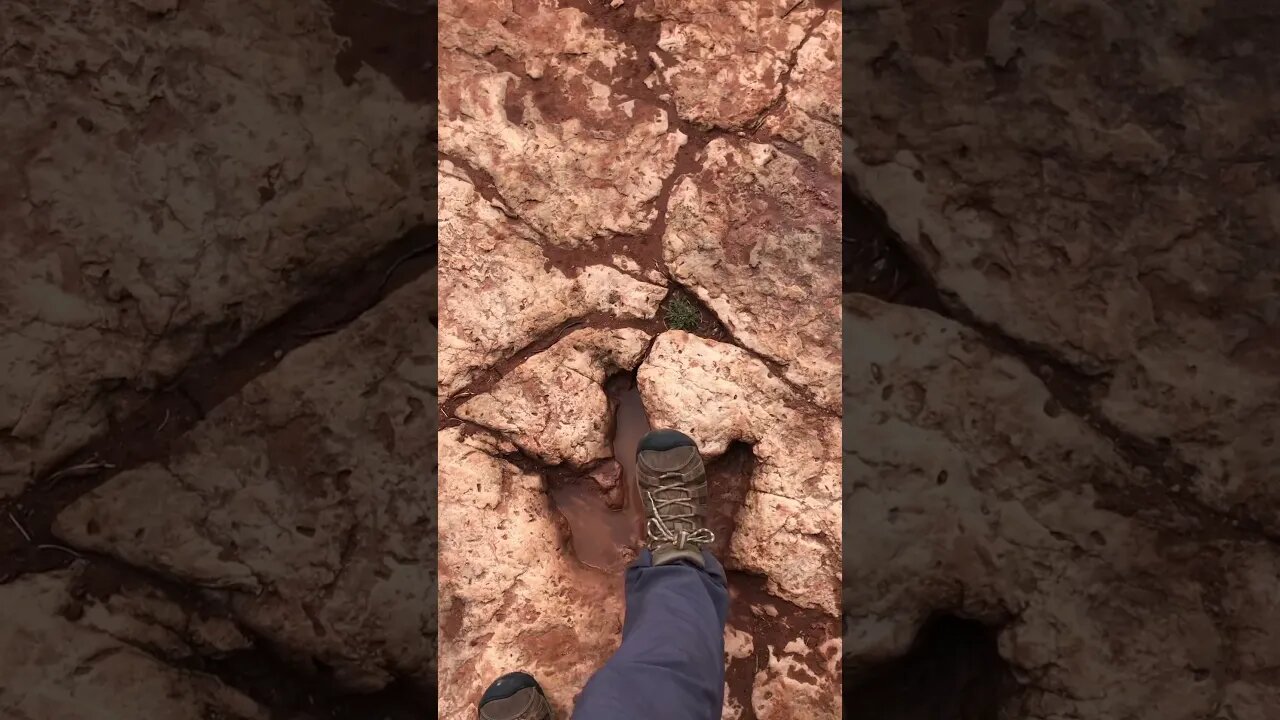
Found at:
(515, 696)
(673, 485)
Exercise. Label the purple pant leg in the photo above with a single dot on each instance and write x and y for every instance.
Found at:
(671, 661)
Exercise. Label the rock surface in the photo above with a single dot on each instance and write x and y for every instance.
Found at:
(553, 405)
(497, 294)
(810, 112)
(512, 596)
(726, 62)
(600, 155)
(309, 495)
(790, 656)
(788, 529)
(536, 98)
(180, 178)
(968, 492)
(754, 234)
(1097, 182)
(1089, 475)
(67, 654)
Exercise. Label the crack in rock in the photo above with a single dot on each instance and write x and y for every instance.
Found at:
(766, 277)
(271, 492)
(553, 405)
(1131, 249)
(525, 299)
(147, 169)
(607, 82)
(718, 394)
(1156, 466)
(152, 431)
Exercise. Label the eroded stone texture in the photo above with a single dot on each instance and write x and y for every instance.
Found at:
(755, 235)
(725, 61)
(497, 293)
(537, 98)
(66, 654)
(511, 596)
(788, 529)
(560, 123)
(553, 405)
(178, 179)
(966, 491)
(514, 596)
(790, 657)
(810, 113)
(788, 688)
(309, 495)
(1096, 179)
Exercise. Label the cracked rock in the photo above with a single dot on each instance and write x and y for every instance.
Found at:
(308, 496)
(485, 254)
(789, 527)
(810, 113)
(179, 180)
(789, 688)
(1110, 201)
(537, 100)
(561, 131)
(725, 61)
(72, 656)
(511, 596)
(553, 405)
(757, 238)
(963, 495)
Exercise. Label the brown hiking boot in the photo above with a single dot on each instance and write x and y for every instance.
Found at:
(673, 484)
(515, 696)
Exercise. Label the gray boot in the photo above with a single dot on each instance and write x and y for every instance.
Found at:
(515, 696)
(673, 484)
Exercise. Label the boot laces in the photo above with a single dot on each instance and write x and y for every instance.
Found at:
(679, 507)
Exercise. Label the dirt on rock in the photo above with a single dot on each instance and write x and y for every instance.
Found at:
(157, 211)
(602, 505)
(623, 172)
(1060, 378)
(216, 221)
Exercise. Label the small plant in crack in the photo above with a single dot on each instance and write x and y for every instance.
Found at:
(682, 314)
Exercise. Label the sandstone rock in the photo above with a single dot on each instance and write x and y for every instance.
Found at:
(497, 294)
(1089, 179)
(965, 494)
(179, 179)
(112, 660)
(559, 145)
(127, 609)
(725, 61)
(810, 113)
(574, 152)
(548, 40)
(757, 238)
(553, 405)
(738, 644)
(632, 268)
(732, 708)
(607, 475)
(786, 688)
(789, 527)
(781, 661)
(511, 596)
(1249, 701)
(531, 605)
(309, 496)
